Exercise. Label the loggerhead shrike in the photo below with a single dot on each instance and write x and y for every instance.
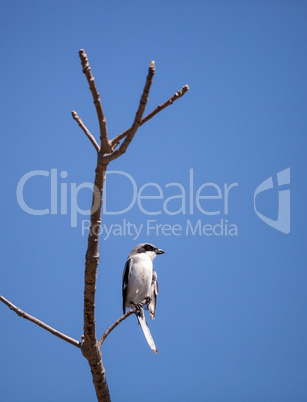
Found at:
(140, 282)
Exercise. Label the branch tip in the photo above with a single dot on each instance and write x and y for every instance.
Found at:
(86, 69)
(152, 66)
(82, 53)
(85, 130)
(116, 140)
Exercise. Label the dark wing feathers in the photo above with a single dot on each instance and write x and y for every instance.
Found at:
(125, 282)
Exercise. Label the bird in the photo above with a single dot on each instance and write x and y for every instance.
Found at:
(140, 282)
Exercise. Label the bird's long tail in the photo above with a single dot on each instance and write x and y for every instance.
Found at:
(142, 321)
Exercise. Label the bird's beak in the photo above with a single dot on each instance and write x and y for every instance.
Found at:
(159, 251)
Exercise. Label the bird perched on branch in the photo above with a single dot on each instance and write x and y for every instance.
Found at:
(140, 283)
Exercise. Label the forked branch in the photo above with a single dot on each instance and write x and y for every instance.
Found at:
(137, 120)
(90, 346)
(116, 140)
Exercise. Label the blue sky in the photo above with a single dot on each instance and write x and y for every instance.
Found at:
(231, 316)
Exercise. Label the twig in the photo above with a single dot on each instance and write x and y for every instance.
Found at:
(86, 131)
(110, 329)
(137, 120)
(116, 140)
(105, 146)
(122, 318)
(29, 317)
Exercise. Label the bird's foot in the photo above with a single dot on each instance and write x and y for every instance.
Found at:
(138, 306)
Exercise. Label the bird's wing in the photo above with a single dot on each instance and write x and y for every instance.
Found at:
(153, 295)
(125, 282)
(142, 321)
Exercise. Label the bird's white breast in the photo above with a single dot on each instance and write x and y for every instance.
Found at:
(139, 279)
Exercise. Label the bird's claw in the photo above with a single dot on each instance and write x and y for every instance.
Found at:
(138, 306)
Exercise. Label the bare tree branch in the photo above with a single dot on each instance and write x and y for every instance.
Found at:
(29, 317)
(86, 131)
(89, 346)
(116, 140)
(105, 146)
(117, 322)
(137, 120)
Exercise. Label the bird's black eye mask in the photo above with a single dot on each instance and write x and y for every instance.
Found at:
(146, 247)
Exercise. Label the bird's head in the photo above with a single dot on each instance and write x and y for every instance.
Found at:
(149, 249)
